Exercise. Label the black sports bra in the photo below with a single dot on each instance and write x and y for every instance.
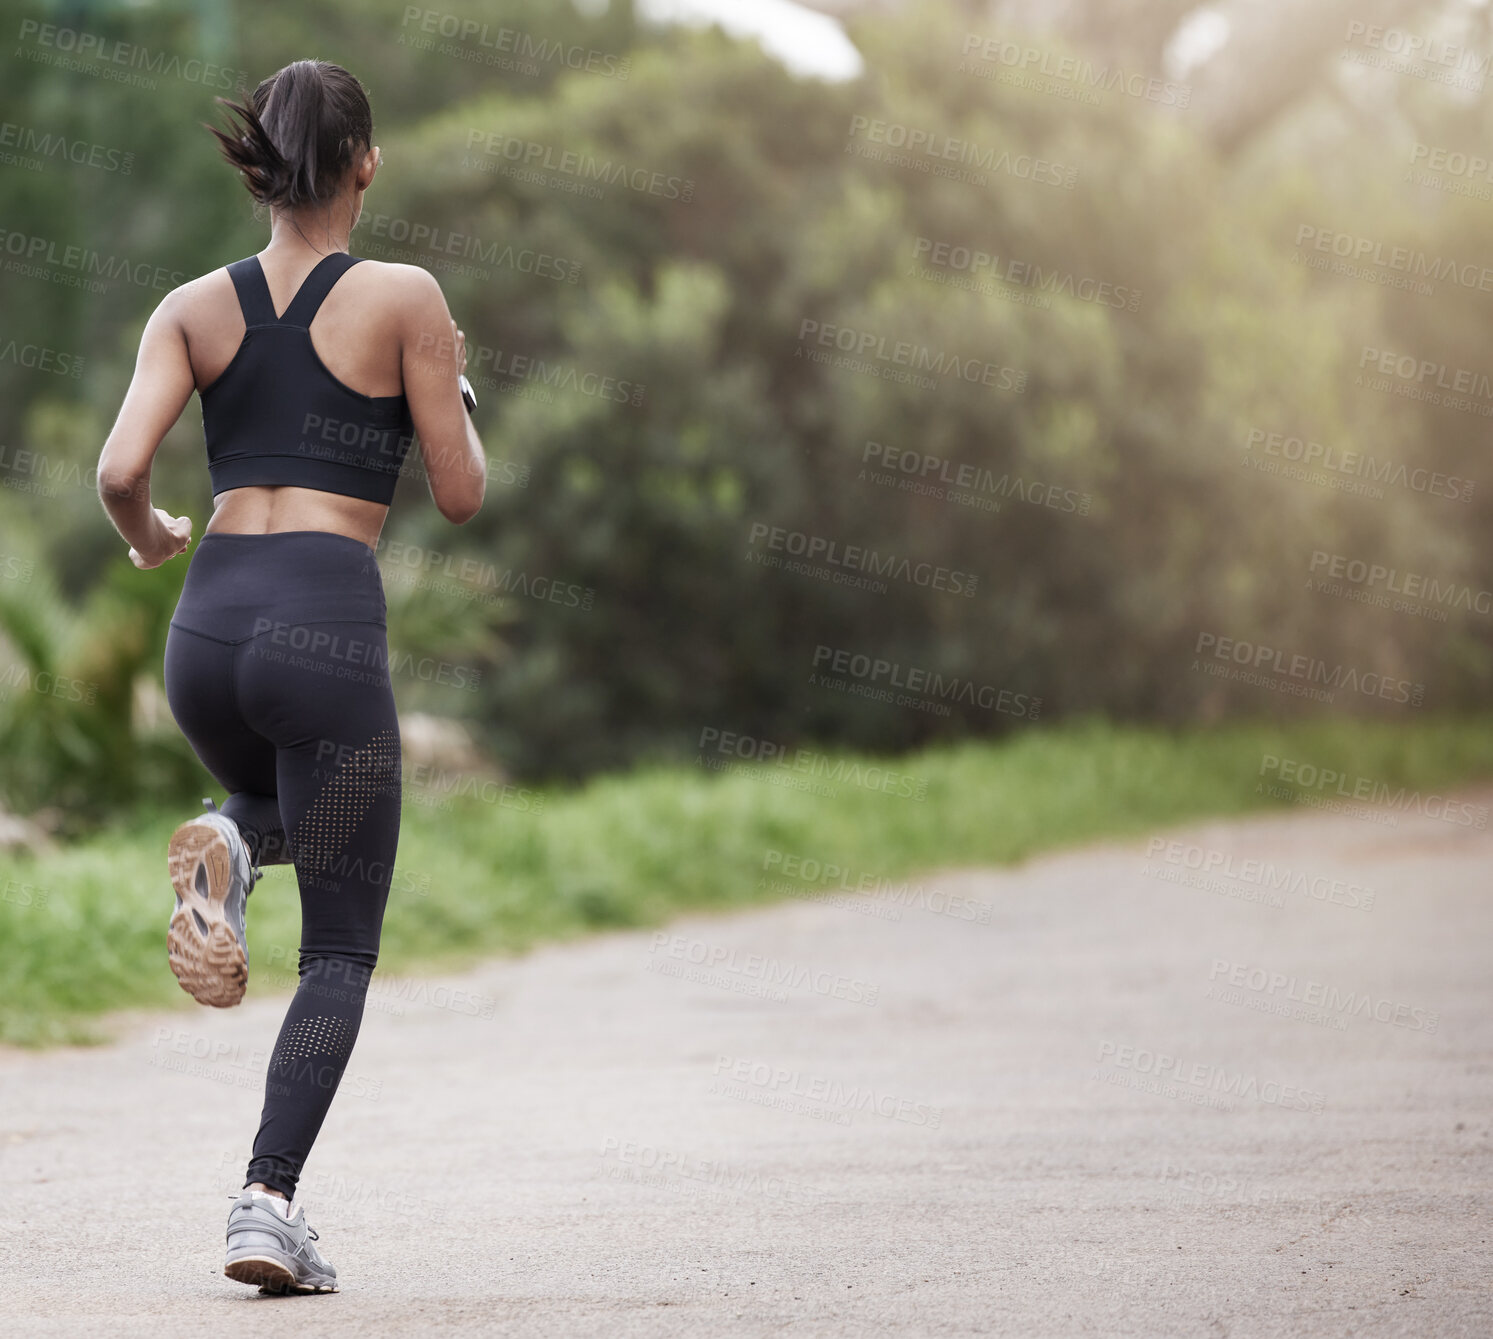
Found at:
(277, 415)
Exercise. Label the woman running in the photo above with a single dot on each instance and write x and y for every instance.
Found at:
(316, 370)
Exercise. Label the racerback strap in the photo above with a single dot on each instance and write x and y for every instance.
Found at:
(317, 285)
(254, 292)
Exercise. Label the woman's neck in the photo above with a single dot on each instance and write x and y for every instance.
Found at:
(328, 230)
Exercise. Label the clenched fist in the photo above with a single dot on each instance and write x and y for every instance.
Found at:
(174, 534)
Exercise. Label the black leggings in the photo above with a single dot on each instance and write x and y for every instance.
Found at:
(277, 672)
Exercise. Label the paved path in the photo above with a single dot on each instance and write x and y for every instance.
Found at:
(1033, 1106)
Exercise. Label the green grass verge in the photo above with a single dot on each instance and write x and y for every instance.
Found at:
(83, 931)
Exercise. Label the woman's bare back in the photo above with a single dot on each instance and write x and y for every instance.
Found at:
(357, 335)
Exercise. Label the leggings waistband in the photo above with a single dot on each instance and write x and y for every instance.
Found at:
(239, 585)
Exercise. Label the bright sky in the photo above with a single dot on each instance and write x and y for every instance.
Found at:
(810, 43)
(1198, 36)
(806, 42)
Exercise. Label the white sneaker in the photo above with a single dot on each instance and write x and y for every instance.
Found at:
(270, 1243)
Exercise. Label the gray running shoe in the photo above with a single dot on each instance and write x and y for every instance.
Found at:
(205, 944)
(276, 1253)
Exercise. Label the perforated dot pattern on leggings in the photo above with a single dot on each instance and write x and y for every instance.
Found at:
(316, 1036)
(346, 798)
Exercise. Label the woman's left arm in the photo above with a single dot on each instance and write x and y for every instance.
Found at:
(162, 385)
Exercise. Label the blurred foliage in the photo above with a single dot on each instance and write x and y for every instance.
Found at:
(81, 731)
(641, 496)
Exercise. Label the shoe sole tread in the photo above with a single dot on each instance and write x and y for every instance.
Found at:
(212, 966)
(271, 1275)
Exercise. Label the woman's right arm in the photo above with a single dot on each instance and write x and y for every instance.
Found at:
(434, 355)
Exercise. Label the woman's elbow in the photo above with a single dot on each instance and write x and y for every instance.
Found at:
(460, 512)
(116, 484)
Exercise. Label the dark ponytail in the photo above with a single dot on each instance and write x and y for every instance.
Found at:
(295, 141)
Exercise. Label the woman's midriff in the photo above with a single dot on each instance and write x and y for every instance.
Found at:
(264, 510)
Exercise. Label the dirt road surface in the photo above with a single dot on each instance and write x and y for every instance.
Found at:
(1235, 1080)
